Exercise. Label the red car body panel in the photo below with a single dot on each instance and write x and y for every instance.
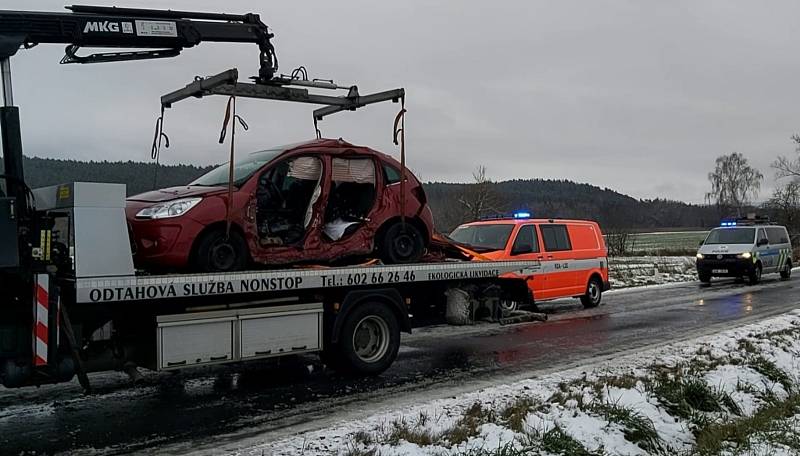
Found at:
(168, 242)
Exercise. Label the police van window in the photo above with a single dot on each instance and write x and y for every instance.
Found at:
(761, 235)
(555, 237)
(731, 236)
(391, 175)
(777, 235)
(527, 241)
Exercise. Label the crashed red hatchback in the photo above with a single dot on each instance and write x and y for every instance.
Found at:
(320, 201)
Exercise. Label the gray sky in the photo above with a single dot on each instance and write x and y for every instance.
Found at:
(637, 96)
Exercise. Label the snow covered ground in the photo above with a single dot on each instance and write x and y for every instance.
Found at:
(650, 270)
(734, 393)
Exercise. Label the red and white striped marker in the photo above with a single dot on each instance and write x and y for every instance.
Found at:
(41, 302)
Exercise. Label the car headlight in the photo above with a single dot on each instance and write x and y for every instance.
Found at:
(745, 255)
(169, 209)
(700, 256)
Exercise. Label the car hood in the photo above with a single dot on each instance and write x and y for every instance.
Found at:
(717, 249)
(173, 193)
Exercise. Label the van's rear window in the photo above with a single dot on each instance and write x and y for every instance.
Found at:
(731, 236)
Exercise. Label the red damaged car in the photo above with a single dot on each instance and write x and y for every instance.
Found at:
(318, 201)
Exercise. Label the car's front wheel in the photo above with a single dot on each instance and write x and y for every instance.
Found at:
(755, 276)
(217, 252)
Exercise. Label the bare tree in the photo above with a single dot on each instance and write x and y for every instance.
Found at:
(734, 183)
(619, 242)
(480, 198)
(786, 166)
(785, 204)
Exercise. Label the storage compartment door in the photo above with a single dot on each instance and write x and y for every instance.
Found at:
(274, 335)
(187, 343)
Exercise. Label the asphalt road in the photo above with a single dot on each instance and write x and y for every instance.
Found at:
(225, 407)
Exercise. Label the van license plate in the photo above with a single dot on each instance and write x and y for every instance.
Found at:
(719, 271)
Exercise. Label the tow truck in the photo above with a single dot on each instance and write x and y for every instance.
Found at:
(72, 303)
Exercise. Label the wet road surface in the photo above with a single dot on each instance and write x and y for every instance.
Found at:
(213, 408)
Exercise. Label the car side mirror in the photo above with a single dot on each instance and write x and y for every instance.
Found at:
(519, 249)
(762, 242)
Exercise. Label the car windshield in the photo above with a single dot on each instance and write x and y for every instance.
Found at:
(484, 237)
(242, 169)
(731, 236)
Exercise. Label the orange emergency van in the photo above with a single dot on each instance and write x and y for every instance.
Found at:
(572, 253)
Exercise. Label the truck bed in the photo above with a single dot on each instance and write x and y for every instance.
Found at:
(154, 287)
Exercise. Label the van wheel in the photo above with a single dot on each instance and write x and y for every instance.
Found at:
(216, 252)
(401, 243)
(786, 274)
(594, 294)
(368, 343)
(755, 277)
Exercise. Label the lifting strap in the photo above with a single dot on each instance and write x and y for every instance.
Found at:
(400, 130)
(230, 113)
(155, 149)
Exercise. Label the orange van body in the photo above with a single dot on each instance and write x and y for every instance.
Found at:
(572, 254)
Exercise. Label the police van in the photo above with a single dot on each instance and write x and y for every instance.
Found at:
(745, 247)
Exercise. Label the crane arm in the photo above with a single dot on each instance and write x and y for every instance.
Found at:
(156, 33)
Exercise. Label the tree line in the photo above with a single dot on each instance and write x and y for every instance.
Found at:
(451, 203)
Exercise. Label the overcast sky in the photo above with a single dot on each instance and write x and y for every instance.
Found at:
(637, 96)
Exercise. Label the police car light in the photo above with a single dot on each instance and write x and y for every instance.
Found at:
(522, 215)
(727, 223)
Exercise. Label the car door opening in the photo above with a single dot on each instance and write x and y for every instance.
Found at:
(352, 196)
(285, 196)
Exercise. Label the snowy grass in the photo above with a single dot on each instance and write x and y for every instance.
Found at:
(650, 270)
(736, 393)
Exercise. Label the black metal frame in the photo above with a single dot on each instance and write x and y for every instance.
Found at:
(226, 83)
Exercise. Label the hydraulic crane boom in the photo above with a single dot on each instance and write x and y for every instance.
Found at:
(160, 33)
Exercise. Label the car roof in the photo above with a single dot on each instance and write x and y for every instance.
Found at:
(330, 146)
(523, 221)
(758, 225)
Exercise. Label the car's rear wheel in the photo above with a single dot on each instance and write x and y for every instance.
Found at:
(755, 276)
(786, 274)
(594, 293)
(401, 243)
(218, 252)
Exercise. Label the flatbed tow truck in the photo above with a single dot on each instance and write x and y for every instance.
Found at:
(71, 301)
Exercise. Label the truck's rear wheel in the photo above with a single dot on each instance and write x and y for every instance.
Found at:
(369, 341)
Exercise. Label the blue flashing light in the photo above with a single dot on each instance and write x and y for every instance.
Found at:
(727, 223)
(522, 215)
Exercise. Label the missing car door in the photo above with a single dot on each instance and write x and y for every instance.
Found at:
(352, 196)
(286, 195)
